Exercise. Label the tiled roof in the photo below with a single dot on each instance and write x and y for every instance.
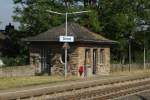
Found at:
(80, 34)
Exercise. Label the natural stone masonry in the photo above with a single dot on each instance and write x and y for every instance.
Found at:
(76, 59)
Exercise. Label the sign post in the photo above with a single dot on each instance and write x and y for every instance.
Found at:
(66, 49)
(66, 39)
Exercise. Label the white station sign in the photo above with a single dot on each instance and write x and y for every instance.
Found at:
(66, 39)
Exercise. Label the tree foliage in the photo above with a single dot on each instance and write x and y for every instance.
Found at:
(114, 19)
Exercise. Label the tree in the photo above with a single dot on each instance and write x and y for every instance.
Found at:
(33, 17)
(114, 19)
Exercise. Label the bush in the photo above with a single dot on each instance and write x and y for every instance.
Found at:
(18, 61)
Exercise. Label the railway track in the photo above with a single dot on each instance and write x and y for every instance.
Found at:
(90, 90)
(122, 91)
(106, 92)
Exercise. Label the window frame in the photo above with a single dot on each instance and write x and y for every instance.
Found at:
(101, 56)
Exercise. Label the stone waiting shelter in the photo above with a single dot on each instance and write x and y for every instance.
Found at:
(90, 51)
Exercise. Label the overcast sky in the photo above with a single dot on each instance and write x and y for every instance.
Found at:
(6, 11)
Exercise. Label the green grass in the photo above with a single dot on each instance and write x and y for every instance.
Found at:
(13, 82)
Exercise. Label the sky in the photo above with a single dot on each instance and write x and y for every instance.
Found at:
(6, 11)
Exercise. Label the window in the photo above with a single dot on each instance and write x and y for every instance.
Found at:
(101, 56)
(87, 56)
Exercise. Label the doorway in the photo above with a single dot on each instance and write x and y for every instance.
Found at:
(87, 61)
(94, 61)
(45, 60)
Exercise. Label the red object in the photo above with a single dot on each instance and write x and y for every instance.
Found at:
(81, 70)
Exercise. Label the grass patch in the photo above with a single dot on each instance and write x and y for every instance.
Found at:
(13, 82)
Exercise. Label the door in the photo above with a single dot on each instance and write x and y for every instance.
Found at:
(94, 60)
(45, 60)
(87, 61)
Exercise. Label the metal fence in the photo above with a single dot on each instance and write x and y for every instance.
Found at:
(126, 67)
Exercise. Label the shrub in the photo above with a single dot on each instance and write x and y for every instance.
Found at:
(17, 61)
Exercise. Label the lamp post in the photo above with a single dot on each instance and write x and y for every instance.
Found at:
(144, 28)
(144, 52)
(66, 28)
(130, 38)
(141, 11)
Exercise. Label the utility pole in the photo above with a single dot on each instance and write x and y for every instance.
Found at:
(66, 33)
(144, 52)
(129, 53)
(66, 51)
(144, 28)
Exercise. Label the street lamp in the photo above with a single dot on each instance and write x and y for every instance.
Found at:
(66, 15)
(144, 28)
(129, 40)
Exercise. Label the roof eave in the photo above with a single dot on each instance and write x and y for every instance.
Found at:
(83, 41)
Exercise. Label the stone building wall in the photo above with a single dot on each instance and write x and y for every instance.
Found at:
(57, 63)
(104, 69)
(76, 59)
(101, 69)
(35, 60)
(81, 56)
(57, 67)
(107, 52)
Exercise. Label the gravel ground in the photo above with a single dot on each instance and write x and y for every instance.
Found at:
(140, 96)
